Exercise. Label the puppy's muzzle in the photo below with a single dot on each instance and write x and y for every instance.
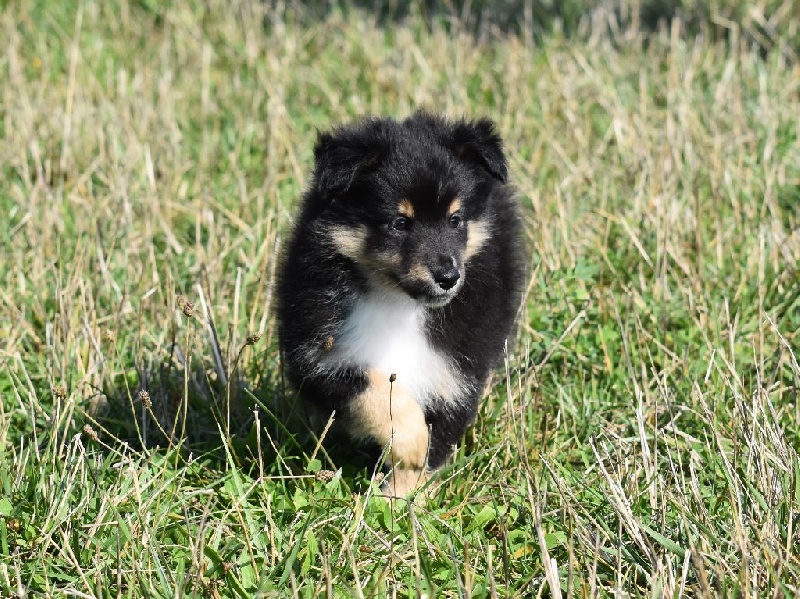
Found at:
(445, 273)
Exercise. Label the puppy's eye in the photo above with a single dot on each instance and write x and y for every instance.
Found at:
(401, 223)
(455, 221)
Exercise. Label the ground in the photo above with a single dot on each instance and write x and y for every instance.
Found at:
(642, 439)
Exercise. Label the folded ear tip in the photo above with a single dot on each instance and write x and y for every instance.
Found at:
(479, 141)
(324, 140)
(347, 152)
(486, 124)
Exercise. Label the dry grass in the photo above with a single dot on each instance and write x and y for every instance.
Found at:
(645, 442)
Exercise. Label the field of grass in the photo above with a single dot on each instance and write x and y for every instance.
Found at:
(643, 438)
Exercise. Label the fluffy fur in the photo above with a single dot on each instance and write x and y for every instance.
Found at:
(401, 282)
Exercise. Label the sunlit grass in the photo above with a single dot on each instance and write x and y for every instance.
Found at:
(643, 437)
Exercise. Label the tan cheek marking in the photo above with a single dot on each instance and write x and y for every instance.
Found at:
(419, 273)
(454, 207)
(381, 259)
(406, 208)
(403, 423)
(349, 242)
(478, 234)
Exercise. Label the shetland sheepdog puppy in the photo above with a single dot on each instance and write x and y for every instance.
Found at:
(400, 284)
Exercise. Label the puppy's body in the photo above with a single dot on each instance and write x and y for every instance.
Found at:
(405, 264)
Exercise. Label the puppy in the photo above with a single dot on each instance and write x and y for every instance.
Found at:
(400, 284)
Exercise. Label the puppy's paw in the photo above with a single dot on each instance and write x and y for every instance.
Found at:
(403, 481)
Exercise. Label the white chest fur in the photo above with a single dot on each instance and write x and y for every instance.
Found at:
(385, 332)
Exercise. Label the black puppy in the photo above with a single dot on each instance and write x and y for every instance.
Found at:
(401, 282)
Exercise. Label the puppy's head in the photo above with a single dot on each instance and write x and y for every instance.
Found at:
(409, 202)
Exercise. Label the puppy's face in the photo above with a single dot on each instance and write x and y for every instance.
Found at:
(420, 249)
(410, 205)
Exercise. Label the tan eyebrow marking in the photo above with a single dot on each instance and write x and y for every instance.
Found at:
(406, 208)
(454, 207)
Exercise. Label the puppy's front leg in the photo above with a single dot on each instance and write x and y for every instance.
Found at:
(387, 414)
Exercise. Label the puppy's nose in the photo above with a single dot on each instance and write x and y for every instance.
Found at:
(446, 277)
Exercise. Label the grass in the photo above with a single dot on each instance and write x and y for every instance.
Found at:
(643, 438)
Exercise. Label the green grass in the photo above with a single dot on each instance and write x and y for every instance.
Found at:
(643, 439)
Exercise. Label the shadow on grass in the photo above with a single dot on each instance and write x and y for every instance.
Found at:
(242, 414)
(716, 19)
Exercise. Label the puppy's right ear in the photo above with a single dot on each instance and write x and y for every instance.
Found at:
(342, 156)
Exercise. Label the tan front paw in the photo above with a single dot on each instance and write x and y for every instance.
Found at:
(403, 481)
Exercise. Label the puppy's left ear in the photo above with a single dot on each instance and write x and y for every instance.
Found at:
(478, 143)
